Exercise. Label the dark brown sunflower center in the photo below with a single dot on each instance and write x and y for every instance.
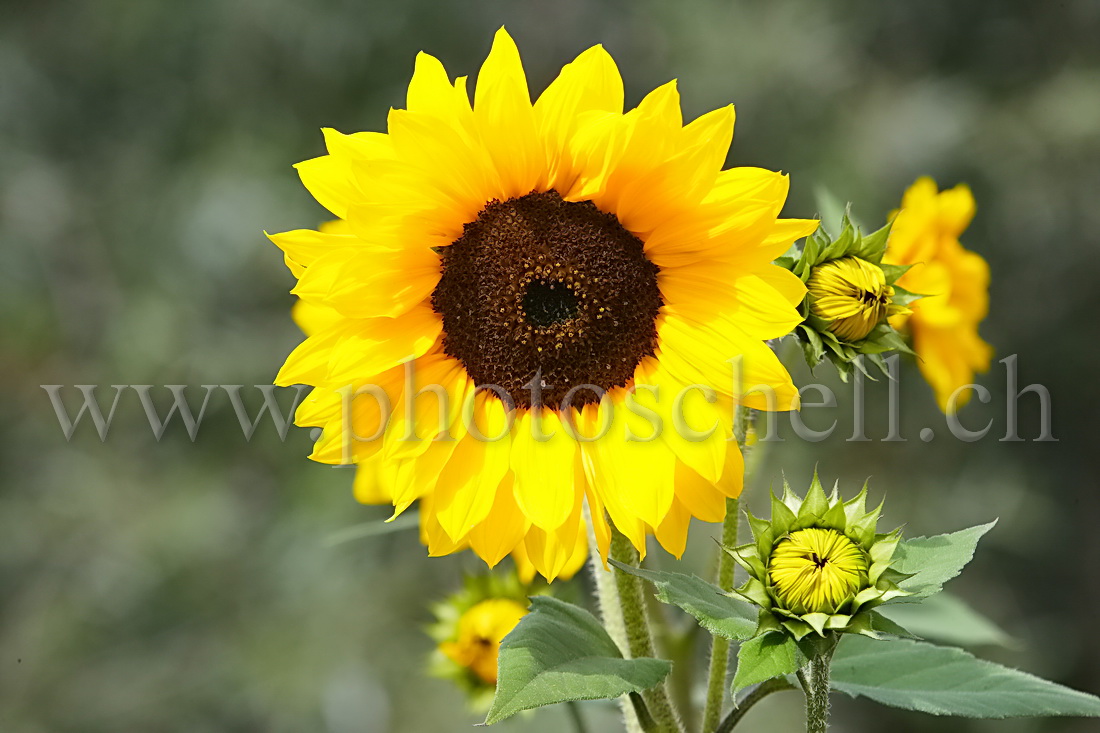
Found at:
(549, 300)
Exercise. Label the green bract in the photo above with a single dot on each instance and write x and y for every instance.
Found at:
(869, 580)
(818, 340)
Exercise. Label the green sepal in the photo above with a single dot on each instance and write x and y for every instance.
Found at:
(748, 557)
(762, 533)
(782, 517)
(893, 272)
(815, 505)
(753, 591)
(836, 518)
(816, 621)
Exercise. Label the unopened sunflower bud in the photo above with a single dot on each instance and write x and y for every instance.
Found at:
(469, 627)
(851, 296)
(818, 566)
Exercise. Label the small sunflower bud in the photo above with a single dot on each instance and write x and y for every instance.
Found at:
(815, 570)
(480, 630)
(850, 297)
(853, 296)
(818, 565)
(469, 627)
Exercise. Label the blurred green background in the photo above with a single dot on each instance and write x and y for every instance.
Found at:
(192, 586)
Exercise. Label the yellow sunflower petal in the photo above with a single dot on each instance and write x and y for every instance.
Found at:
(506, 119)
(590, 83)
(692, 426)
(468, 484)
(721, 356)
(702, 498)
(373, 345)
(634, 469)
(363, 282)
(553, 552)
(331, 181)
(542, 459)
(672, 533)
(503, 528)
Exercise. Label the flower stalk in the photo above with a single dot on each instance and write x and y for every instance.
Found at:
(638, 636)
(814, 677)
(720, 646)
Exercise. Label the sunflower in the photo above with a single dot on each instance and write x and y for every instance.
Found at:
(954, 281)
(530, 308)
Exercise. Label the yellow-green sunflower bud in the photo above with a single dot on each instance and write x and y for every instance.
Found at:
(853, 296)
(816, 570)
(819, 565)
(850, 297)
(480, 630)
(468, 630)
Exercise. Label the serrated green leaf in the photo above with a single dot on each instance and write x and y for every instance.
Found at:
(948, 619)
(932, 561)
(947, 681)
(716, 612)
(770, 655)
(559, 652)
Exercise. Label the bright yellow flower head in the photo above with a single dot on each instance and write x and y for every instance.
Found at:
(955, 281)
(480, 631)
(560, 250)
(816, 570)
(853, 295)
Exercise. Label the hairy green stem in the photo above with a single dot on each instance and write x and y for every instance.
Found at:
(720, 646)
(777, 684)
(607, 596)
(639, 639)
(815, 685)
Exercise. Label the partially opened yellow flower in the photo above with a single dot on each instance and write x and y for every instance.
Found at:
(598, 270)
(954, 281)
(478, 636)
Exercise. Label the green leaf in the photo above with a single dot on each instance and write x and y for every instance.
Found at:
(881, 624)
(559, 652)
(932, 561)
(946, 681)
(712, 608)
(769, 655)
(946, 618)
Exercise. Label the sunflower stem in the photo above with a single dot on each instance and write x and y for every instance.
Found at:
(776, 684)
(720, 646)
(638, 634)
(607, 597)
(814, 677)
